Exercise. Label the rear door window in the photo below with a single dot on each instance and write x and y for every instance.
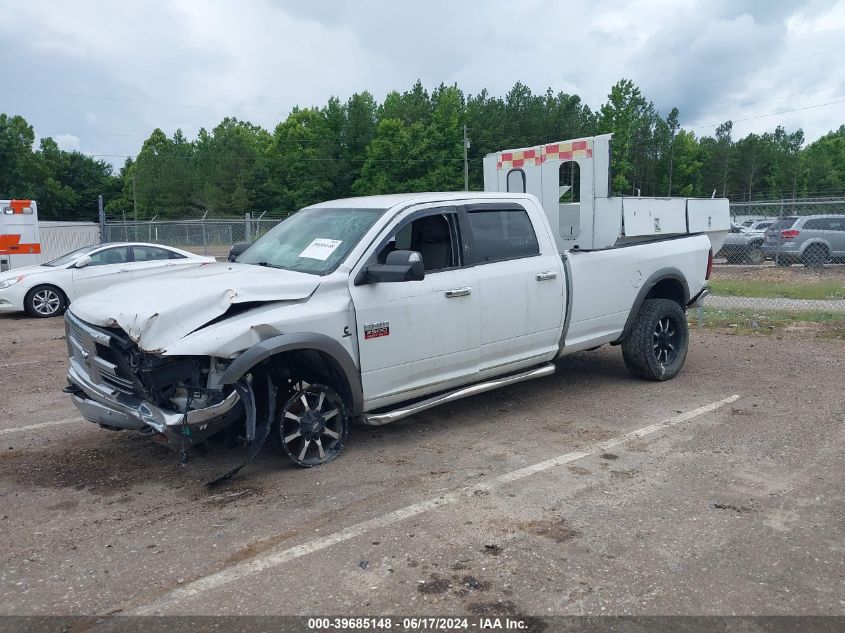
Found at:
(500, 233)
(824, 224)
(150, 253)
(116, 255)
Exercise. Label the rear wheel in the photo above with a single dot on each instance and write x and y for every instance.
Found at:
(314, 426)
(755, 255)
(656, 347)
(45, 301)
(815, 256)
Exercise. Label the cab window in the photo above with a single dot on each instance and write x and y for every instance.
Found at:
(434, 236)
(501, 233)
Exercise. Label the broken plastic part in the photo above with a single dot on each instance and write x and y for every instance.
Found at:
(258, 433)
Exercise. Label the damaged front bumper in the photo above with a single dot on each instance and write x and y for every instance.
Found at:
(108, 395)
(109, 407)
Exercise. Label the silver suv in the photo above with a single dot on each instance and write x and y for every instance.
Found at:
(812, 240)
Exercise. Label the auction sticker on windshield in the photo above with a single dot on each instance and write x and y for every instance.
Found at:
(320, 249)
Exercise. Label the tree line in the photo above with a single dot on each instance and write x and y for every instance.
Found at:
(411, 141)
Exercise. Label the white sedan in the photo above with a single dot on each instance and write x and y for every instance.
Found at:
(47, 290)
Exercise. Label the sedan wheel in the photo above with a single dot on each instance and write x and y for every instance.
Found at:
(44, 301)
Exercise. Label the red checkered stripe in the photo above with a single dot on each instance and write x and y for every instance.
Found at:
(520, 158)
(569, 151)
(538, 155)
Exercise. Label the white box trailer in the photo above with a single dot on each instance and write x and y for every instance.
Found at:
(572, 181)
(20, 242)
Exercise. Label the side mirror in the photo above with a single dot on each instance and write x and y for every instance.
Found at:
(237, 249)
(83, 261)
(399, 266)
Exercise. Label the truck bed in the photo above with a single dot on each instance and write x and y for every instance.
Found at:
(603, 285)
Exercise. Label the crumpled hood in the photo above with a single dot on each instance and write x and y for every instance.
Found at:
(157, 311)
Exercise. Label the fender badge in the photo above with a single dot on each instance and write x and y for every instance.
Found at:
(375, 330)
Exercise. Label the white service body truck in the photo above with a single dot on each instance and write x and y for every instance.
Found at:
(375, 308)
(20, 244)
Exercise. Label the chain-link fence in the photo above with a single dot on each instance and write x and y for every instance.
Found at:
(58, 238)
(782, 259)
(207, 237)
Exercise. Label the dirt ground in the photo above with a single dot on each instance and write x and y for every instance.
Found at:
(727, 506)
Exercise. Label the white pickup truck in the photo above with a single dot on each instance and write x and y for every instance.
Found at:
(375, 308)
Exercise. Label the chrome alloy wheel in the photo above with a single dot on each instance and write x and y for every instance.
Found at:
(46, 302)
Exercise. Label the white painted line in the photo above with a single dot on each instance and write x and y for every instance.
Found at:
(272, 559)
(26, 362)
(40, 425)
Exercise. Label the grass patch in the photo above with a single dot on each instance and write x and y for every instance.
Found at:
(820, 323)
(774, 290)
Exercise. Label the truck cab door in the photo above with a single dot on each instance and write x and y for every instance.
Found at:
(416, 337)
(521, 285)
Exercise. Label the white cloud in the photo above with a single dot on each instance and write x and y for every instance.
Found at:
(90, 117)
(67, 142)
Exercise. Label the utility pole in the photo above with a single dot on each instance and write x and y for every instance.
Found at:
(101, 218)
(134, 208)
(466, 162)
(134, 199)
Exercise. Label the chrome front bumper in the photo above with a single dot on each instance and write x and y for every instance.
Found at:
(110, 407)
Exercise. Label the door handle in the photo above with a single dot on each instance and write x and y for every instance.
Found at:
(124, 270)
(458, 292)
(546, 275)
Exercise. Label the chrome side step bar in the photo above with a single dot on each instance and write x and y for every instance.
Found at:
(378, 419)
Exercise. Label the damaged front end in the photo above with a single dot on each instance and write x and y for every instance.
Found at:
(177, 400)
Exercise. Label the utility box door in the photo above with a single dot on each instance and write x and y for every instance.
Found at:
(654, 216)
(704, 216)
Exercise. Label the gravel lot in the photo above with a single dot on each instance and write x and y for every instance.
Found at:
(734, 510)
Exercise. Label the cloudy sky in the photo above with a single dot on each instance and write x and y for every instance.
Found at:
(99, 76)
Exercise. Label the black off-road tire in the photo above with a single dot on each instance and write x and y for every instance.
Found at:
(45, 301)
(645, 348)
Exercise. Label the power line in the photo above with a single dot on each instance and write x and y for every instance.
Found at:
(763, 116)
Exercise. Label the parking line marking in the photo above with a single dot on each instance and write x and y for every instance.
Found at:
(272, 559)
(26, 362)
(31, 427)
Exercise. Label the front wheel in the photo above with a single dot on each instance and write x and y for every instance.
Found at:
(45, 301)
(314, 425)
(656, 347)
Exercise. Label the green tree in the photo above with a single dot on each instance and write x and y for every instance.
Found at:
(631, 119)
